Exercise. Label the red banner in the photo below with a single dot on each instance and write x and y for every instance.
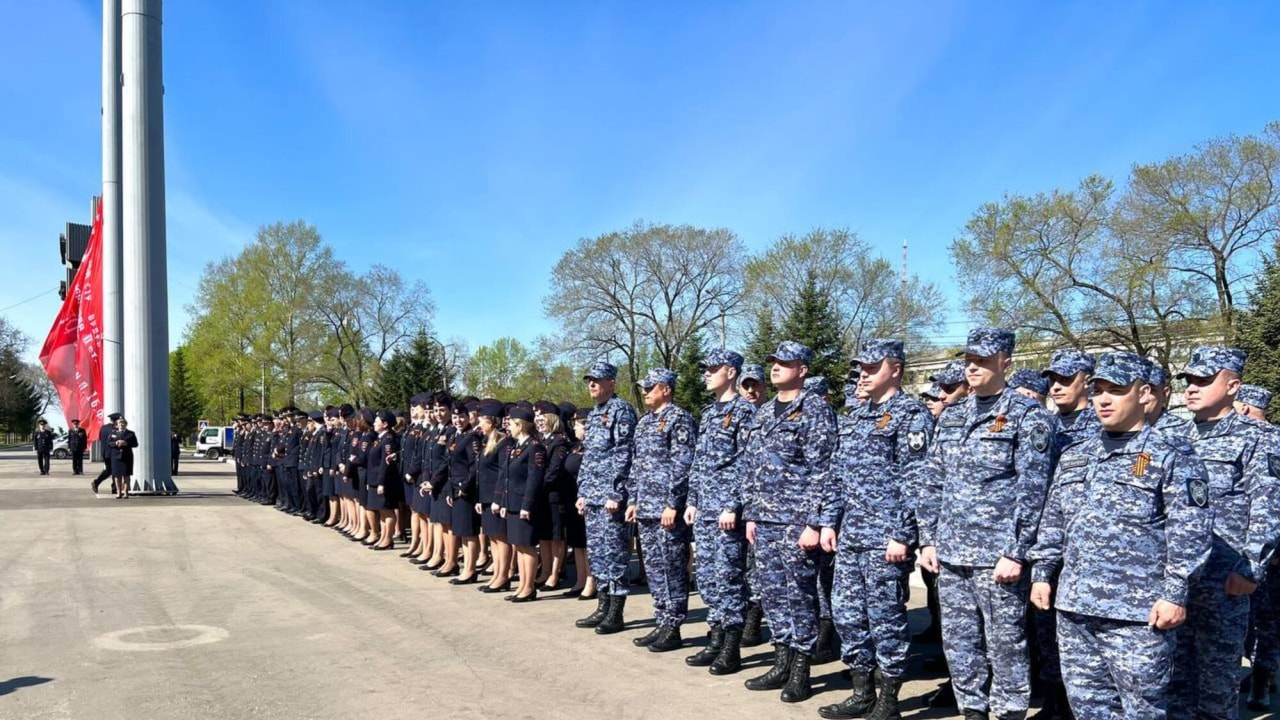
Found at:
(72, 354)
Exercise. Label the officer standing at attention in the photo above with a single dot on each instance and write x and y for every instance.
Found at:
(788, 457)
(828, 647)
(602, 496)
(1125, 529)
(869, 522)
(1156, 405)
(983, 490)
(1030, 383)
(175, 447)
(657, 488)
(751, 389)
(1264, 605)
(104, 431)
(43, 441)
(1068, 374)
(77, 442)
(1252, 401)
(715, 513)
(1243, 463)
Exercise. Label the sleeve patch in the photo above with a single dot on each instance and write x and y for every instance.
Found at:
(682, 435)
(1039, 436)
(1198, 492)
(1273, 465)
(915, 440)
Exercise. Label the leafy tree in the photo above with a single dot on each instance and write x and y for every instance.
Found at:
(20, 403)
(185, 408)
(495, 368)
(691, 392)
(411, 369)
(1259, 332)
(812, 322)
(764, 338)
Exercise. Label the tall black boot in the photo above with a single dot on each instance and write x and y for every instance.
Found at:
(729, 660)
(708, 654)
(856, 705)
(798, 687)
(1260, 690)
(668, 639)
(887, 703)
(602, 608)
(826, 650)
(777, 675)
(612, 622)
(751, 636)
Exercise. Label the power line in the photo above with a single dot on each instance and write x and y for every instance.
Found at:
(24, 302)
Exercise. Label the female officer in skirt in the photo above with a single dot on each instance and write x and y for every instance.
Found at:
(444, 561)
(488, 471)
(575, 526)
(367, 529)
(551, 534)
(120, 445)
(521, 499)
(461, 458)
(383, 481)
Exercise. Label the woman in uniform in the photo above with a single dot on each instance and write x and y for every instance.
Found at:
(575, 526)
(364, 438)
(445, 561)
(488, 471)
(464, 448)
(383, 481)
(120, 445)
(551, 534)
(521, 499)
(350, 439)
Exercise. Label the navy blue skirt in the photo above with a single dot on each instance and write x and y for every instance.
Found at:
(466, 523)
(520, 532)
(327, 478)
(493, 525)
(440, 510)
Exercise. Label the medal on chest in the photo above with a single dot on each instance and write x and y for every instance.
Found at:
(1140, 467)
(998, 424)
(883, 422)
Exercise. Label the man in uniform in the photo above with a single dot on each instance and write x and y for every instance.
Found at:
(175, 448)
(983, 490)
(77, 442)
(1252, 401)
(602, 496)
(657, 488)
(1068, 374)
(1156, 405)
(42, 439)
(106, 429)
(715, 512)
(1264, 605)
(1243, 463)
(1031, 384)
(751, 384)
(789, 450)
(828, 648)
(869, 522)
(1125, 530)
(751, 389)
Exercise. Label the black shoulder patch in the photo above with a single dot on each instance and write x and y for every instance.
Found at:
(1198, 492)
(1273, 465)
(1038, 434)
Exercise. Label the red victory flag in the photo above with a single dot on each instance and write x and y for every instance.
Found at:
(72, 354)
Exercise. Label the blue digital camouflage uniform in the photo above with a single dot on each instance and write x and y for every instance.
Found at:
(1031, 380)
(819, 386)
(751, 371)
(983, 489)
(788, 456)
(1123, 528)
(659, 479)
(1254, 395)
(606, 462)
(950, 374)
(1264, 603)
(1243, 463)
(715, 487)
(870, 490)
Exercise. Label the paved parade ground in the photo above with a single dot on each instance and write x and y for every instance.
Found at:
(206, 606)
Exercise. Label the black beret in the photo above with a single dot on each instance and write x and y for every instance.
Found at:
(520, 412)
(366, 415)
(546, 407)
(345, 410)
(387, 417)
(581, 413)
(471, 406)
(567, 408)
(113, 417)
(491, 408)
(316, 416)
(331, 412)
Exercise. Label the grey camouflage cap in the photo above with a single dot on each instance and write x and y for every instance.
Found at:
(1030, 380)
(1121, 368)
(790, 350)
(987, 341)
(658, 375)
(1069, 362)
(1254, 395)
(1209, 360)
(751, 371)
(875, 350)
(951, 374)
(719, 357)
(817, 385)
(933, 392)
(601, 371)
(1156, 374)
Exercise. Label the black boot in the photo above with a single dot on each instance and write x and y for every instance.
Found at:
(976, 715)
(825, 651)
(668, 639)
(1260, 690)
(1055, 706)
(602, 608)
(798, 687)
(612, 622)
(777, 675)
(751, 628)
(647, 640)
(729, 660)
(856, 705)
(887, 703)
(943, 697)
(708, 654)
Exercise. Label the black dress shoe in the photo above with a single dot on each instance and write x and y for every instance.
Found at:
(418, 561)
(384, 549)
(504, 587)
(573, 593)
(527, 598)
(592, 596)
(475, 578)
(447, 573)
(435, 567)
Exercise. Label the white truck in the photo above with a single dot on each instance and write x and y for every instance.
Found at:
(215, 441)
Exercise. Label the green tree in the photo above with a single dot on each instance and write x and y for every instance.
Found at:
(764, 338)
(691, 392)
(185, 408)
(20, 399)
(494, 369)
(812, 322)
(411, 369)
(1259, 332)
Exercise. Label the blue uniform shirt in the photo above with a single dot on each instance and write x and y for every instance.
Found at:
(789, 447)
(659, 477)
(715, 482)
(608, 446)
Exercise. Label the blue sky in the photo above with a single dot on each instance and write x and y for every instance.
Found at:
(469, 144)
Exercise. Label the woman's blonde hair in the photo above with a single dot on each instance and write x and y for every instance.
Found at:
(494, 436)
(553, 423)
(527, 428)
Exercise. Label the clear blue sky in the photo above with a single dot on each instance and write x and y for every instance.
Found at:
(471, 143)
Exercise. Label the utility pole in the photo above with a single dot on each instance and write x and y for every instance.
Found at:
(146, 286)
(112, 261)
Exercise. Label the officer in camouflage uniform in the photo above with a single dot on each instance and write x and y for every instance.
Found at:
(1243, 464)
(602, 496)
(751, 389)
(1125, 530)
(1031, 384)
(788, 456)
(869, 521)
(819, 386)
(984, 488)
(1157, 405)
(1252, 401)
(828, 648)
(715, 513)
(1068, 374)
(1264, 605)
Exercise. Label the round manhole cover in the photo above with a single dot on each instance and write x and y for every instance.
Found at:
(160, 637)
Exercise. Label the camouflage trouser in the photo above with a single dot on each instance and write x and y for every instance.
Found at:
(721, 567)
(1264, 623)
(753, 578)
(608, 549)
(1206, 665)
(1114, 668)
(788, 579)
(666, 563)
(826, 581)
(869, 604)
(984, 634)
(1044, 626)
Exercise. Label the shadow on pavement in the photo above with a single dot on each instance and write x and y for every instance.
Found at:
(8, 686)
